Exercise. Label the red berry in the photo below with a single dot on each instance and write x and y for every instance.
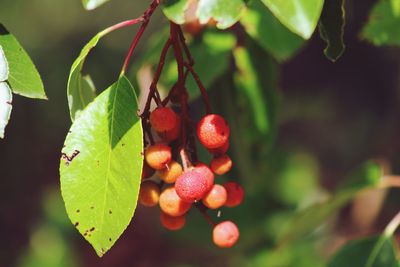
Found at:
(173, 134)
(192, 185)
(172, 204)
(219, 150)
(235, 194)
(158, 156)
(149, 194)
(225, 234)
(172, 223)
(205, 171)
(216, 197)
(213, 131)
(221, 165)
(163, 119)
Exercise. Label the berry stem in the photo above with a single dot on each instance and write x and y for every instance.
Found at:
(203, 211)
(202, 88)
(145, 18)
(121, 25)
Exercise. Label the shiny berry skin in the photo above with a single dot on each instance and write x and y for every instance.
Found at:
(221, 165)
(219, 150)
(149, 194)
(172, 204)
(171, 172)
(213, 131)
(158, 156)
(216, 197)
(225, 234)
(192, 185)
(172, 223)
(173, 134)
(235, 194)
(163, 119)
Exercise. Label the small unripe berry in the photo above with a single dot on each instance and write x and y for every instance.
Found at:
(149, 194)
(163, 119)
(216, 197)
(158, 156)
(219, 150)
(173, 134)
(172, 204)
(235, 194)
(171, 173)
(225, 234)
(172, 223)
(205, 171)
(192, 185)
(221, 165)
(147, 171)
(213, 131)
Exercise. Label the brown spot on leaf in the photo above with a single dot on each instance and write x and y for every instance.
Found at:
(76, 224)
(77, 211)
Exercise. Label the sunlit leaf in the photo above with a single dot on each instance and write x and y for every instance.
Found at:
(175, 10)
(23, 76)
(224, 12)
(263, 27)
(92, 4)
(300, 16)
(101, 166)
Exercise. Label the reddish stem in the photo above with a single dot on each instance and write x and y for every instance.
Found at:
(145, 21)
(203, 211)
(122, 25)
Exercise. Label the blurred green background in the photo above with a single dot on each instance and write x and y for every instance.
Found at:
(326, 119)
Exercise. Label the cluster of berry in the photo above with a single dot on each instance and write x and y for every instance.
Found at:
(176, 189)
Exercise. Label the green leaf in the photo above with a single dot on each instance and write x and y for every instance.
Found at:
(175, 10)
(263, 27)
(395, 7)
(332, 28)
(369, 252)
(300, 16)
(224, 12)
(92, 4)
(23, 76)
(307, 220)
(5, 106)
(247, 80)
(101, 166)
(383, 27)
(80, 90)
(3, 66)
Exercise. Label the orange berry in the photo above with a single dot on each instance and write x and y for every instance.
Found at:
(225, 234)
(158, 156)
(171, 172)
(163, 119)
(149, 194)
(219, 150)
(216, 197)
(172, 223)
(221, 165)
(173, 134)
(235, 194)
(172, 204)
(213, 131)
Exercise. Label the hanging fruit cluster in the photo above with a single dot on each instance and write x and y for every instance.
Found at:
(182, 182)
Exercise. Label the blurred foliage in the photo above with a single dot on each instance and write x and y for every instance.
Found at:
(330, 118)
